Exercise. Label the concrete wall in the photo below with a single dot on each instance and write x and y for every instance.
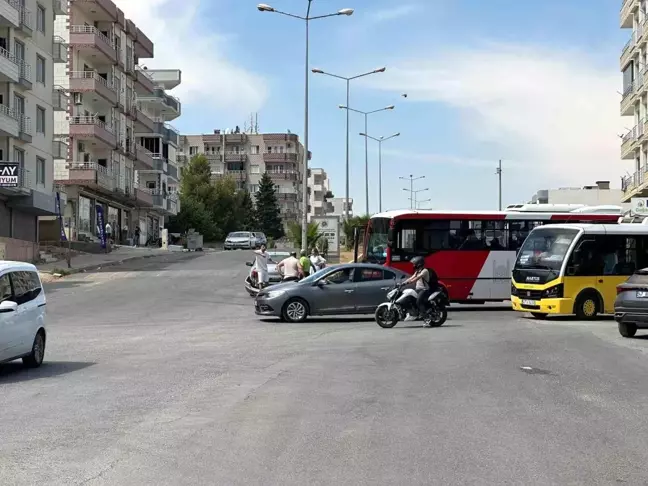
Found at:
(19, 250)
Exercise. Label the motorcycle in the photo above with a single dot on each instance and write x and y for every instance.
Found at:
(403, 301)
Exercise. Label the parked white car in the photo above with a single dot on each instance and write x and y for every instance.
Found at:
(240, 240)
(22, 314)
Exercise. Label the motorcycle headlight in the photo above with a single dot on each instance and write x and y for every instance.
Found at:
(391, 294)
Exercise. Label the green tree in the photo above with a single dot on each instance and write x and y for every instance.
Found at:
(267, 209)
(246, 212)
(313, 235)
(348, 226)
(224, 206)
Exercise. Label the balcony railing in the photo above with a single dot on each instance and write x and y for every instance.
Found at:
(26, 20)
(25, 124)
(91, 29)
(91, 120)
(59, 49)
(172, 171)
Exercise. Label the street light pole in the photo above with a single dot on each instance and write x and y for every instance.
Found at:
(499, 177)
(348, 92)
(366, 115)
(262, 7)
(411, 180)
(380, 140)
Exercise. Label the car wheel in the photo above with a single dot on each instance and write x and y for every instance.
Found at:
(539, 315)
(627, 330)
(35, 359)
(587, 306)
(295, 310)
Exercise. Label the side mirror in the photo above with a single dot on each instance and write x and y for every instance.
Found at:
(8, 306)
(321, 282)
(249, 264)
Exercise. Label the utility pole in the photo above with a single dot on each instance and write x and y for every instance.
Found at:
(411, 180)
(499, 177)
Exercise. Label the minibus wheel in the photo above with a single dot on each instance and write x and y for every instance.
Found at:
(587, 306)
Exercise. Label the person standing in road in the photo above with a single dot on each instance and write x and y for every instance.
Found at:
(305, 264)
(136, 236)
(317, 262)
(261, 265)
(109, 233)
(290, 268)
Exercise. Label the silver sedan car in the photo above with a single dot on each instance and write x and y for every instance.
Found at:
(353, 288)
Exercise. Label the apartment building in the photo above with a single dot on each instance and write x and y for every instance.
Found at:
(600, 194)
(340, 207)
(634, 103)
(319, 193)
(246, 156)
(113, 143)
(26, 120)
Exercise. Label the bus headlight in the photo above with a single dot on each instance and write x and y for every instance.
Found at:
(513, 290)
(555, 292)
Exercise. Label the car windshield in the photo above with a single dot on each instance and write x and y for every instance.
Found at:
(238, 235)
(545, 248)
(377, 243)
(312, 278)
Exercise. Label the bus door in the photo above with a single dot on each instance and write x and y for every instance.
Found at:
(583, 268)
(617, 257)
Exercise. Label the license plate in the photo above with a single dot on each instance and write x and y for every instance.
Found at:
(529, 302)
(642, 294)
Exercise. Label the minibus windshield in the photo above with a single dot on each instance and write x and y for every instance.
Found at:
(545, 248)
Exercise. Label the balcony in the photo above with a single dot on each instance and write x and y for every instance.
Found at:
(91, 175)
(159, 199)
(143, 196)
(167, 105)
(9, 66)
(143, 82)
(628, 50)
(143, 122)
(166, 78)
(280, 137)
(93, 130)
(286, 196)
(90, 41)
(635, 185)
(97, 10)
(24, 184)
(159, 163)
(172, 204)
(235, 138)
(283, 176)
(25, 74)
(59, 49)
(237, 175)
(92, 82)
(235, 156)
(60, 99)
(60, 8)
(10, 13)
(276, 157)
(630, 96)
(9, 122)
(629, 142)
(628, 8)
(172, 172)
(143, 158)
(143, 45)
(25, 131)
(26, 22)
(59, 149)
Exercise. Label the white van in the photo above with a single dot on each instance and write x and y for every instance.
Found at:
(22, 314)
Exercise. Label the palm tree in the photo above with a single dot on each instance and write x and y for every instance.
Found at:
(313, 234)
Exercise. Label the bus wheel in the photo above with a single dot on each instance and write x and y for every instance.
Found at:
(587, 306)
(539, 315)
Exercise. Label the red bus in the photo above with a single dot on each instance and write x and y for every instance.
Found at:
(472, 252)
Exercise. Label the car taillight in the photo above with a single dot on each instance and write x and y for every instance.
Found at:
(619, 289)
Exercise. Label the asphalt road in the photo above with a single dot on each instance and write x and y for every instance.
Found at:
(158, 373)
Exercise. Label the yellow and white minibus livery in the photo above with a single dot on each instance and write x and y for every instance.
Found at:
(575, 268)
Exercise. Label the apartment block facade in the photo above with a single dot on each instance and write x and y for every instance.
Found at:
(245, 157)
(26, 120)
(634, 102)
(113, 144)
(319, 193)
(340, 206)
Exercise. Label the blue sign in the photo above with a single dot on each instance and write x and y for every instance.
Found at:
(101, 226)
(59, 215)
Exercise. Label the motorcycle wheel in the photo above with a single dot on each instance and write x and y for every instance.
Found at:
(386, 318)
(436, 318)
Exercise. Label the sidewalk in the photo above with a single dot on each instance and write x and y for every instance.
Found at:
(91, 261)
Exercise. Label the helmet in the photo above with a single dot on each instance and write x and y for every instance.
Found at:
(418, 262)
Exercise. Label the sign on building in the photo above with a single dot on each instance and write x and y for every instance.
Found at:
(639, 206)
(9, 174)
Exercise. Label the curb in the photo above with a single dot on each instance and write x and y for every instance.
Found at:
(72, 271)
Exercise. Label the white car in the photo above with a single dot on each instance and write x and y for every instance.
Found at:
(22, 314)
(240, 240)
(274, 277)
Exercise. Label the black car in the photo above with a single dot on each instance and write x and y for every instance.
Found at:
(631, 304)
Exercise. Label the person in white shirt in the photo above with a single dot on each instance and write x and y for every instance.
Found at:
(317, 262)
(108, 232)
(290, 268)
(261, 265)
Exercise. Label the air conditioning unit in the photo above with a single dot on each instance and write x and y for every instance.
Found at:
(78, 98)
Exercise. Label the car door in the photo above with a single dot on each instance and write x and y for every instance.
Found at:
(372, 287)
(335, 293)
(8, 321)
(28, 311)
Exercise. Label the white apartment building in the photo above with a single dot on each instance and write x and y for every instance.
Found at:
(319, 191)
(634, 104)
(114, 146)
(340, 207)
(246, 156)
(600, 194)
(26, 120)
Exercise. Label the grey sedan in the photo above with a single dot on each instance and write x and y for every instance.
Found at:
(631, 304)
(353, 288)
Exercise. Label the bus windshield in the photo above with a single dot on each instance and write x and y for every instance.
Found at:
(377, 243)
(545, 248)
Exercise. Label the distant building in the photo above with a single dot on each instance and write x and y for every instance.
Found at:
(597, 195)
(319, 187)
(339, 206)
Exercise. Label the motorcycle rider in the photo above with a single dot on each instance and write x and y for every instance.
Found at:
(426, 282)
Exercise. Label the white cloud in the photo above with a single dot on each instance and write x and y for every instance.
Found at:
(383, 15)
(183, 42)
(555, 114)
(441, 159)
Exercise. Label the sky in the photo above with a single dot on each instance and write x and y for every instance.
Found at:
(535, 84)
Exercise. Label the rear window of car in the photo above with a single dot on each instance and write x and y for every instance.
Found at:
(640, 277)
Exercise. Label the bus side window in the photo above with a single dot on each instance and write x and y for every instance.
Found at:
(584, 260)
(642, 251)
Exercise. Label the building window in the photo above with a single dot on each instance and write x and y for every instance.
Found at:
(40, 18)
(254, 169)
(40, 171)
(254, 188)
(40, 69)
(40, 120)
(193, 150)
(254, 150)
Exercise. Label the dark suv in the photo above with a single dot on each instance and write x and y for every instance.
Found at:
(631, 304)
